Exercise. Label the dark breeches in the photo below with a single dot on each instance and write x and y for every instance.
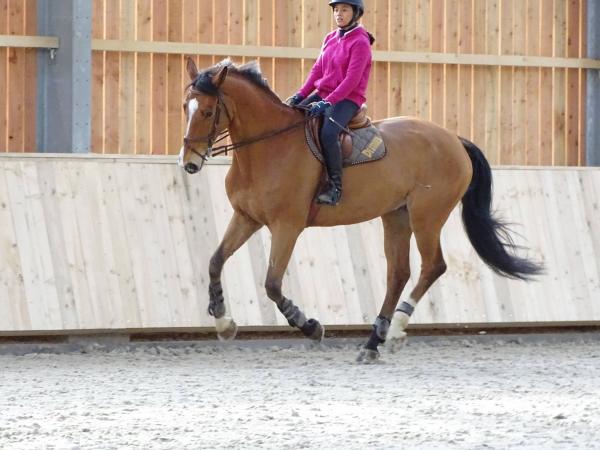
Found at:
(342, 113)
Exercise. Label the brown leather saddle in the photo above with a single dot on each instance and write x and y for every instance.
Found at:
(362, 144)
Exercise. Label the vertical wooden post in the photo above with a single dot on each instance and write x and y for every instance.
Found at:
(3, 78)
(143, 80)
(127, 138)
(546, 87)
(175, 79)
(506, 83)
(98, 85)
(160, 18)
(559, 85)
(437, 70)
(112, 80)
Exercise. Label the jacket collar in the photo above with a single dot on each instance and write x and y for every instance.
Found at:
(341, 33)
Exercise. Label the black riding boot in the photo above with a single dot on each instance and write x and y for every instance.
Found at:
(333, 193)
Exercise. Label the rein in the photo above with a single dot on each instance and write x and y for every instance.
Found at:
(213, 137)
(225, 148)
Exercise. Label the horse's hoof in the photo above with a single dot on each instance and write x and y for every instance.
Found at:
(394, 343)
(313, 330)
(367, 356)
(227, 333)
(319, 332)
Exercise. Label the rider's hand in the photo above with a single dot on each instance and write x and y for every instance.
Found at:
(294, 99)
(319, 108)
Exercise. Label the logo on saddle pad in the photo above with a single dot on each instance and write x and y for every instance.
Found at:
(363, 145)
(370, 150)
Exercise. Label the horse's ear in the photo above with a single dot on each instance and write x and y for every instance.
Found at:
(192, 70)
(219, 77)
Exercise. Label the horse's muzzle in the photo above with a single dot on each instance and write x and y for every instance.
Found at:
(191, 168)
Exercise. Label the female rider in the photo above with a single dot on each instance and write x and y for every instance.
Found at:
(339, 77)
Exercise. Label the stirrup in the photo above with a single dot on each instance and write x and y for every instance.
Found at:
(330, 197)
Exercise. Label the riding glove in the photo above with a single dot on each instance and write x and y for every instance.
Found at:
(294, 99)
(319, 108)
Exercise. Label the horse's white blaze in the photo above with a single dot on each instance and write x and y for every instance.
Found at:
(192, 108)
(180, 158)
(223, 323)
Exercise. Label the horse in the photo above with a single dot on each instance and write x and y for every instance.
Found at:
(273, 178)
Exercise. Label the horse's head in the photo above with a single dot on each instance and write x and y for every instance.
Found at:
(206, 113)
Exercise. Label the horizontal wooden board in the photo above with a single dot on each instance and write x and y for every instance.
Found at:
(255, 51)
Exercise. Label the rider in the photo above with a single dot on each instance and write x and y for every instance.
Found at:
(339, 76)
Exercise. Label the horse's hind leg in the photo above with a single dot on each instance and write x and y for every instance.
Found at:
(427, 234)
(284, 238)
(239, 230)
(396, 235)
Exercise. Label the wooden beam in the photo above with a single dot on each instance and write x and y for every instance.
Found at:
(8, 40)
(203, 49)
(311, 53)
(487, 60)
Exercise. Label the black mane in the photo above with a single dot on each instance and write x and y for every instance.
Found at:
(250, 71)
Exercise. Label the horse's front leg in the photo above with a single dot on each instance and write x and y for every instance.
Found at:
(396, 237)
(239, 230)
(284, 238)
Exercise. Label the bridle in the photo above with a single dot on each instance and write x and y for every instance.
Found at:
(215, 136)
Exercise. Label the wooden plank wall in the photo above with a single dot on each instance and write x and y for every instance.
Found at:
(505, 110)
(532, 116)
(18, 75)
(124, 243)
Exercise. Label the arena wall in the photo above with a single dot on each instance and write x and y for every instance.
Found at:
(122, 243)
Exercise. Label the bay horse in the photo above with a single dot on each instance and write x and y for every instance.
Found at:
(273, 179)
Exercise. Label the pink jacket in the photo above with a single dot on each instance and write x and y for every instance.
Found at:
(342, 69)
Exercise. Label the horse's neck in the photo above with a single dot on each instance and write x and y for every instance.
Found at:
(257, 114)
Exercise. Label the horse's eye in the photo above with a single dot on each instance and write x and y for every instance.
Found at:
(209, 114)
(185, 106)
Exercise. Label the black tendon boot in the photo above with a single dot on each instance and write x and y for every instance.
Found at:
(333, 193)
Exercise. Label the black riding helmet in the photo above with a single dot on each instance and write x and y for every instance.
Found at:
(357, 5)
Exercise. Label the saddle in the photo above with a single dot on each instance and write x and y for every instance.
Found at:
(362, 145)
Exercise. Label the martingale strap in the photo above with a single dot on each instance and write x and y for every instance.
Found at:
(225, 148)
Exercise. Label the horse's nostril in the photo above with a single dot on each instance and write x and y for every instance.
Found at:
(191, 168)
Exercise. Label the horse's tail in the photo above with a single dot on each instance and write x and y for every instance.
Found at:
(490, 236)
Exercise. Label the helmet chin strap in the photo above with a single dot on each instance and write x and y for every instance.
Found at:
(353, 24)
